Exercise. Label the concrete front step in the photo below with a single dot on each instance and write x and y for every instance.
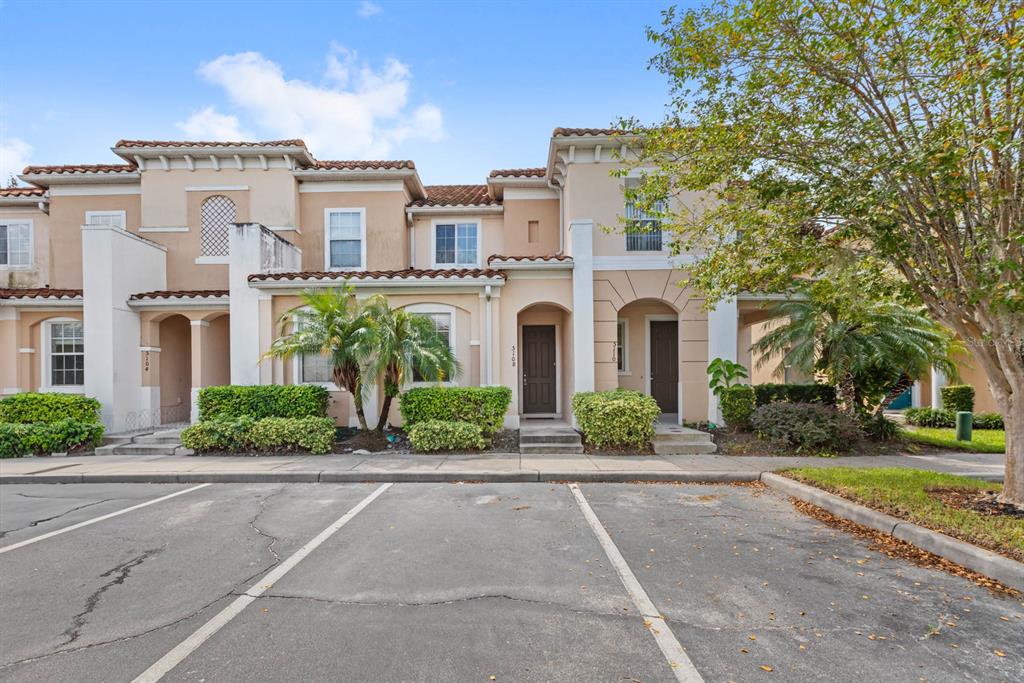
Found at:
(550, 448)
(695, 437)
(695, 448)
(550, 438)
(172, 436)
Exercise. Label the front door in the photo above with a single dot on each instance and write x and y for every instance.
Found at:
(665, 364)
(539, 369)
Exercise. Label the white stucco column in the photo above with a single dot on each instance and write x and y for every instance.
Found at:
(723, 324)
(938, 381)
(115, 265)
(581, 232)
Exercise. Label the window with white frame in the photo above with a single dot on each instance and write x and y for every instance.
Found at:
(443, 325)
(65, 353)
(345, 239)
(114, 219)
(456, 244)
(643, 228)
(315, 368)
(622, 346)
(16, 243)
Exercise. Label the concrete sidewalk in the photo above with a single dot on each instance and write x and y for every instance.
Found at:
(511, 467)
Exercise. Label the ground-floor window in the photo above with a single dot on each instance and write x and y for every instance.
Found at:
(622, 346)
(65, 353)
(443, 325)
(315, 368)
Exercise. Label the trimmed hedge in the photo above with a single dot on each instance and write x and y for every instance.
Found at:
(795, 393)
(806, 427)
(40, 438)
(49, 407)
(958, 397)
(737, 406)
(313, 434)
(258, 402)
(616, 418)
(484, 407)
(930, 417)
(441, 435)
(989, 421)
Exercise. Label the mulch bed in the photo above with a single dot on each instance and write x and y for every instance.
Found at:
(748, 443)
(982, 502)
(396, 441)
(895, 548)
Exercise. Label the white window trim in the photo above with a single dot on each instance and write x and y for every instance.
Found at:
(625, 371)
(44, 359)
(213, 260)
(362, 237)
(31, 243)
(427, 309)
(637, 174)
(122, 214)
(455, 221)
(297, 373)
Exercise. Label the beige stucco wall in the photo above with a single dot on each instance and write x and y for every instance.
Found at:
(37, 274)
(387, 241)
(175, 368)
(165, 201)
(518, 214)
(491, 237)
(972, 373)
(24, 331)
(67, 215)
(635, 314)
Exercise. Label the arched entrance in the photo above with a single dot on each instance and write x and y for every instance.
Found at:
(544, 333)
(175, 369)
(647, 352)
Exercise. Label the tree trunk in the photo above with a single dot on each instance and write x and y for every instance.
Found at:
(846, 395)
(385, 410)
(358, 401)
(1013, 481)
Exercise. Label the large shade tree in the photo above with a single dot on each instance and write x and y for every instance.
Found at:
(825, 129)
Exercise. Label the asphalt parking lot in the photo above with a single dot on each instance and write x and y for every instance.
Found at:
(471, 582)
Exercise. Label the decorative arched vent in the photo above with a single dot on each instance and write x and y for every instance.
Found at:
(217, 213)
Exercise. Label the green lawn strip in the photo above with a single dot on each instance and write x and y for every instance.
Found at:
(903, 493)
(983, 441)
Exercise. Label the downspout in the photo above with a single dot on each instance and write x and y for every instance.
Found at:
(488, 323)
(410, 224)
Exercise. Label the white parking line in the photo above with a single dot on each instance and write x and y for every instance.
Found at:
(58, 532)
(677, 658)
(207, 630)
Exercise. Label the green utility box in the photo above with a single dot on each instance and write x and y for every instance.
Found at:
(964, 424)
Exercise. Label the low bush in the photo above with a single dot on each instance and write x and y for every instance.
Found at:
(616, 418)
(484, 407)
(49, 407)
(737, 406)
(41, 438)
(880, 428)
(795, 393)
(989, 421)
(313, 434)
(930, 417)
(958, 397)
(258, 402)
(445, 435)
(806, 427)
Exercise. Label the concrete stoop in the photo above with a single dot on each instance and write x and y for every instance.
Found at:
(670, 439)
(164, 442)
(553, 438)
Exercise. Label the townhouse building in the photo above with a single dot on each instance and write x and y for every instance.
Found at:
(142, 281)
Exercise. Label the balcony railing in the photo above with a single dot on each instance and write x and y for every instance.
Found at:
(644, 238)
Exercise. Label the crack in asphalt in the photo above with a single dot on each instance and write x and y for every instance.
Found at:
(50, 519)
(120, 574)
(259, 512)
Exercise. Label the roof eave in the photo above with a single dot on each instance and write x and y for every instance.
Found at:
(81, 178)
(408, 175)
(456, 208)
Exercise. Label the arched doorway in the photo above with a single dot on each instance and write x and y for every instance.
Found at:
(544, 333)
(647, 352)
(175, 369)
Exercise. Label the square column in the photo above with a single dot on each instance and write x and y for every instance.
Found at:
(938, 381)
(582, 234)
(723, 324)
(200, 363)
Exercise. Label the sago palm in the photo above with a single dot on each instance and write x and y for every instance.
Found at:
(330, 322)
(404, 343)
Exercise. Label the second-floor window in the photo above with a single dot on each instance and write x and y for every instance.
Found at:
(346, 239)
(16, 243)
(216, 215)
(643, 228)
(456, 245)
(112, 218)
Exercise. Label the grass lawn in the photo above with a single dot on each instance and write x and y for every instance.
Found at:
(904, 493)
(983, 440)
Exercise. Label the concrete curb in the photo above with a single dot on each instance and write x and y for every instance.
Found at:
(397, 476)
(1003, 569)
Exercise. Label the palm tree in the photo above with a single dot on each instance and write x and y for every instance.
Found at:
(405, 343)
(870, 351)
(330, 322)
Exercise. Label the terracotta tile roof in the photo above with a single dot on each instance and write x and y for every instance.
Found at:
(208, 143)
(578, 132)
(379, 274)
(546, 257)
(81, 168)
(178, 294)
(456, 195)
(364, 165)
(40, 293)
(22, 192)
(518, 173)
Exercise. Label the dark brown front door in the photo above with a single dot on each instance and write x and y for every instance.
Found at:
(665, 364)
(539, 369)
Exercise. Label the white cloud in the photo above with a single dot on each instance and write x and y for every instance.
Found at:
(359, 111)
(209, 124)
(367, 9)
(14, 155)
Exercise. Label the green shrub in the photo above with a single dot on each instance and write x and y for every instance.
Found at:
(957, 397)
(737, 406)
(989, 421)
(49, 407)
(616, 418)
(880, 428)
(445, 435)
(40, 438)
(258, 402)
(806, 427)
(313, 434)
(795, 393)
(483, 406)
(930, 417)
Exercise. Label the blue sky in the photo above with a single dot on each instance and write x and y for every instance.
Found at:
(459, 87)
